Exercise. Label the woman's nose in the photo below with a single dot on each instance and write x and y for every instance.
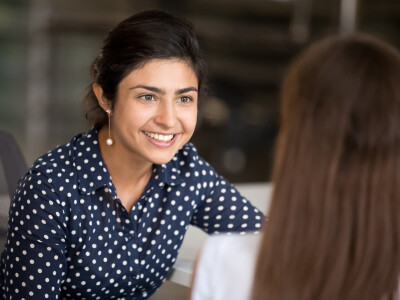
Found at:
(166, 115)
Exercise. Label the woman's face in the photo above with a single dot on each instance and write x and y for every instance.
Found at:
(155, 112)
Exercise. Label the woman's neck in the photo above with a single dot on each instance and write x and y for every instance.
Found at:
(120, 162)
(130, 174)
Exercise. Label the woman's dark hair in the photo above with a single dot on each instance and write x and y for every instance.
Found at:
(334, 222)
(131, 44)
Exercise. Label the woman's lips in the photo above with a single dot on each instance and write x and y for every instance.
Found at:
(159, 137)
(161, 140)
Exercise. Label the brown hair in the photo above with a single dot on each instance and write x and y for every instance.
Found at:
(334, 223)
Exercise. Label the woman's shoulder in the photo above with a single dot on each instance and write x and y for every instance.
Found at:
(226, 266)
(187, 153)
(222, 249)
(187, 159)
(62, 155)
(56, 172)
(238, 243)
(61, 164)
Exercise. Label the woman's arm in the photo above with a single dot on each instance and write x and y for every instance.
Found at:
(224, 209)
(33, 263)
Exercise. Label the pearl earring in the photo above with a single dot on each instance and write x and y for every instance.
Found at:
(109, 141)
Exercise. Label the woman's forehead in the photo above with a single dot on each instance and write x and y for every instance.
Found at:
(162, 73)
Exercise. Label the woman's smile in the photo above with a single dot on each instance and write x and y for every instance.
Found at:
(159, 136)
(161, 140)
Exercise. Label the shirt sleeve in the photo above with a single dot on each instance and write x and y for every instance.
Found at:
(224, 209)
(34, 262)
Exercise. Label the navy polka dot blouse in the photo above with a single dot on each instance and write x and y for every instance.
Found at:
(70, 237)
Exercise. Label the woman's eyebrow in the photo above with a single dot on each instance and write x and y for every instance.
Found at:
(150, 88)
(160, 91)
(185, 90)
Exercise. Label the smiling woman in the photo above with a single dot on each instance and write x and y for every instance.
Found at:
(104, 216)
(150, 121)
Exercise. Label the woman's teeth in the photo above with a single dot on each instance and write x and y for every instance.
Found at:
(160, 137)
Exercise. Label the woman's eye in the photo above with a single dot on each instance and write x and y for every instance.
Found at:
(185, 99)
(148, 97)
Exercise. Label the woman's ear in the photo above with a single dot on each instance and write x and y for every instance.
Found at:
(103, 102)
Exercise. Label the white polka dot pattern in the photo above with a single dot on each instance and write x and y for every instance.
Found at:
(70, 237)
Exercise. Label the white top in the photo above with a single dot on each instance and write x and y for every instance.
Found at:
(225, 267)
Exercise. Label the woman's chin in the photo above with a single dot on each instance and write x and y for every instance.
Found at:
(162, 160)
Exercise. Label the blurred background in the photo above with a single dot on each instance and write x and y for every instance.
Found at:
(47, 46)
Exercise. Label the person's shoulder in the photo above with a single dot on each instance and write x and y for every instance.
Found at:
(188, 159)
(58, 157)
(51, 171)
(228, 262)
(222, 252)
(240, 242)
(188, 153)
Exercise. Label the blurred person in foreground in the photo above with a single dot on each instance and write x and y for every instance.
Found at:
(104, 216)
(334, 222)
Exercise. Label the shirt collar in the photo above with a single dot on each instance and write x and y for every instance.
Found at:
(93, 174)
(170, 173)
